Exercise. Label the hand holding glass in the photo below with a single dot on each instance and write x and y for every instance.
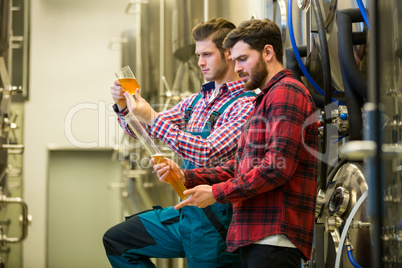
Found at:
(151, 148)
(127, 79)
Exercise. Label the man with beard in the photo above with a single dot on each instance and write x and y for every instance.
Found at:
(271, 181)
(204, 130)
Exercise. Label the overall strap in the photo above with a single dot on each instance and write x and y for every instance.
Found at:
(206, 131)
(215, 114)
(213, 219)
(190, 109)
(207, 128)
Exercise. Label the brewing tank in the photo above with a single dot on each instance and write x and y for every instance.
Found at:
(4, 28)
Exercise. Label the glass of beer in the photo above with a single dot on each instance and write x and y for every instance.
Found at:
(172, 178)
(151, 148)
(127, 79)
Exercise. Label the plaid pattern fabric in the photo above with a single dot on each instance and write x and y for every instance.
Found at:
(271, 181)
(221, 145)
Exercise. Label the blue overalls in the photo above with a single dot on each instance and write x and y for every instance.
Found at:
(195, 233)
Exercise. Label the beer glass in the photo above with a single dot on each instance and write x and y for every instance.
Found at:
(127, 79)
(151, 148)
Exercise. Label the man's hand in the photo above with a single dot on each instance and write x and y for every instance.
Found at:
(201, 196)
(163, 169)
(140, 108)
(117, 92)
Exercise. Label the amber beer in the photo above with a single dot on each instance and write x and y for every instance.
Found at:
(172, 178)
(129, 84)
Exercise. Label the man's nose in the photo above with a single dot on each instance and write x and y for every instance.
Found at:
(201, 61)
(238, 67)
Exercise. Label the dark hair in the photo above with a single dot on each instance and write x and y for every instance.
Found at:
(257, 34)
(218, 27)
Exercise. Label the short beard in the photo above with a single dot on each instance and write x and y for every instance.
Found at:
(257, 75)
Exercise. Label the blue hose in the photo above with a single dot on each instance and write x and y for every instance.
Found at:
(351, 258)
(296, 51)
(298, 57)
(364, 13)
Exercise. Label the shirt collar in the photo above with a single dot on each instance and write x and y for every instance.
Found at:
(278, 76)
(230, 86)
(208, 86)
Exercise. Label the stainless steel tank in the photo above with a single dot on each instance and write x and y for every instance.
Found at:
(5, 28)
(389, 77)
(5, 32)
(136, 48)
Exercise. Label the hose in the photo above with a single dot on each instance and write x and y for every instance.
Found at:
(346, 227)
(291, 64)
(327, 84)
(354, 82)
(345, 19)
(297, 55)
(352, 258)
(363, 12)
(323, 51)
(296, 51)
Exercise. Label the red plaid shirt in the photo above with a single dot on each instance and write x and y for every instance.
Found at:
(271, 181)
(170, 126)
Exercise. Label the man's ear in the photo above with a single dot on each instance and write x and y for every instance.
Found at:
(228, 54)
(268, 53)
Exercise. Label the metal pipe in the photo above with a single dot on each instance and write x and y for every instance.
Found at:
(327, 86)
(268, 7)
(282, 10)
(161, 50)
(25, 221)
(375, 173)
(206, 10)
(6, 98)
(322, 34)
(138, 47)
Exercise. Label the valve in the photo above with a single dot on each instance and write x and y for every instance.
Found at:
(359, 224)
(332, 225)
(340, 119)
